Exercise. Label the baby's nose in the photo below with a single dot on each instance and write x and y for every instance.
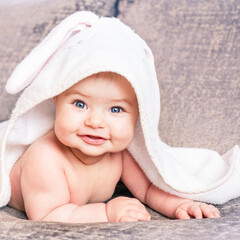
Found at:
(95, 120)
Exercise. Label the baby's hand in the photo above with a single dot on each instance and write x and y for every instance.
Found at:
(124, 209)
(190, 209)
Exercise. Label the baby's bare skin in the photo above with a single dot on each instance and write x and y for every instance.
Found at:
(68, 183)
(69, 173)
(83, 184)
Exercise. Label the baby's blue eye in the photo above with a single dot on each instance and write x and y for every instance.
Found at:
(80, 104)
(116, 109)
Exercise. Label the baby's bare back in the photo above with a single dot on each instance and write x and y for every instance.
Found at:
(84, 183)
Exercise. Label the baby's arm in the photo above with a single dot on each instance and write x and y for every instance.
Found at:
(176, 207)
(47, 198)
(46, 193)
(165, 203)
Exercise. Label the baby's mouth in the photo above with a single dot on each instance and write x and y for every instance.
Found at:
(93, 140)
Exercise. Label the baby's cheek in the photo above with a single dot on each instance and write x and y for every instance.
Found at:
(62, 128)
(124, 136)
(58, 131)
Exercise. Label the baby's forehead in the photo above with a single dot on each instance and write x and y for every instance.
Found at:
(104, 85)
(104, 80)
(106, 77)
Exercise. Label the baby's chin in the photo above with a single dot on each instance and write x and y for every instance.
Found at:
(97, 153)
(91, 151)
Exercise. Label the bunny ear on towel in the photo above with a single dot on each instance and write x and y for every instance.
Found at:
(29, 68)
(26, 120)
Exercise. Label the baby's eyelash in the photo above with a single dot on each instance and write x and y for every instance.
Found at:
(80, 104)
(116, 109)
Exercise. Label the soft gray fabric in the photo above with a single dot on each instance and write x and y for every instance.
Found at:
(227, 227)
(196, 45)
(24, 23)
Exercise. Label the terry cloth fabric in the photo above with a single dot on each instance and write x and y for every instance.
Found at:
(84, 44)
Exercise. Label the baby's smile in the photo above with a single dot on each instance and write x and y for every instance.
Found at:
(93, 140)
(97, 115)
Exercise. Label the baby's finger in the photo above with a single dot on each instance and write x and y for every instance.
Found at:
(141, 216)
(182, 214)
(137, 206)
(136, 202)
(217, 213)
(195, 211)
(210, 211)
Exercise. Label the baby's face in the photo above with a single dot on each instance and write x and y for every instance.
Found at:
(97, 115)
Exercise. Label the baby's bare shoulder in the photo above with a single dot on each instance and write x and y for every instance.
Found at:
(43, 164)
(45, 150)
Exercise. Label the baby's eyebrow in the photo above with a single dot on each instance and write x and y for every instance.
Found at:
(129, 102)
(114, 100)
(75, 92)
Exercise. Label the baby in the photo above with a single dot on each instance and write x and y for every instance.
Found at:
(87, 119)
(67, 174)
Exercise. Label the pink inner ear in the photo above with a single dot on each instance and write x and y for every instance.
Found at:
(78, 28)
(72, 32)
